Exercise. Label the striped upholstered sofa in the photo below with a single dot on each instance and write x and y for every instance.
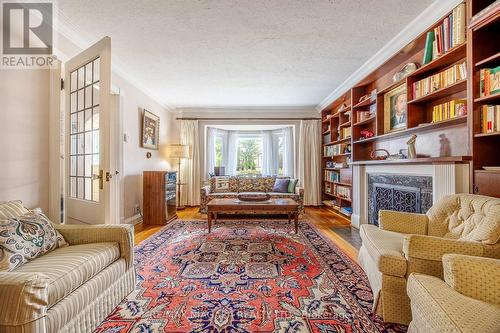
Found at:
(72, 288)
(406, 243)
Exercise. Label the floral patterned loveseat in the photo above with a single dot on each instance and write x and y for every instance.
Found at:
(230, 186)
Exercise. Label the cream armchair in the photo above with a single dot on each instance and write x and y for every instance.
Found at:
(405, 243)
(73, 288)
(467, 301)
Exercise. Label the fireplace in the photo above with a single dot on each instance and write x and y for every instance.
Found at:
(404, 193)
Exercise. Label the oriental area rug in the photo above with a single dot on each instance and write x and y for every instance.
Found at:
(245, 276)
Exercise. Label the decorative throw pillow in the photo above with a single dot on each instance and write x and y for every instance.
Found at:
(25, 238)
(219, 184)
(281, 185)
(292, 185)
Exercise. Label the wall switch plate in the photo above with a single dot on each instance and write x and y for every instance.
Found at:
(126, 137)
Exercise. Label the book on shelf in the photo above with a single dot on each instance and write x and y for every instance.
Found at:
(489, 81)
(342, 191)
(345, 133)
(447, 35)
(332, 176)
(327, 138)
(332, 203)
(336, 149)
(449, 110)
(346, 210)
(440, 80)
(490, 118)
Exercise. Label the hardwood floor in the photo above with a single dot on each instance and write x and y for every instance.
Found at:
(321, 217)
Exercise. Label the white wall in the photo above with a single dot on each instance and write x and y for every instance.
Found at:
(24, 135)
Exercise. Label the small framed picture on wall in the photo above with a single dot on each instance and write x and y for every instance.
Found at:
(395, 109)
(150, 130)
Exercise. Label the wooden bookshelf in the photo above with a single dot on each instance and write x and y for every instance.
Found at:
(483, 52)
(454, 139)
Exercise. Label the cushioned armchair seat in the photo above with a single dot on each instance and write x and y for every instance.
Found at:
(406, 243)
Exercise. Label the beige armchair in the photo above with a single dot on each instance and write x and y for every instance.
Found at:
(406, 243)
(73, 288)
(467, 301)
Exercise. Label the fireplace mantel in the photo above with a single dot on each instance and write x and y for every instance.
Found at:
(448, 177)
(421, 160)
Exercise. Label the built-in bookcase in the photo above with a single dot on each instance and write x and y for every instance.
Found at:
(442, 134)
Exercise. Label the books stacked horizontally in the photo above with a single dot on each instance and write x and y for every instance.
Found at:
(346, 211)
(490, 118)
(489, 81)
(439, 80)
(334, 149)
(449, 34)
(345, 133)
(449, 110)
(332, 176)
(342, 191)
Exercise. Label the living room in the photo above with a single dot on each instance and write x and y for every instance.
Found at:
(250, 166)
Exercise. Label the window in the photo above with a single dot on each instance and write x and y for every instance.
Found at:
(281, 152)
(218, 150)
(249, 156)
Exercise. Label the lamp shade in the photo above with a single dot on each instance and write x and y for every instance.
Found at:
(178, 151)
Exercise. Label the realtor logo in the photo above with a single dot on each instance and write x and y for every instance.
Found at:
(27, 35)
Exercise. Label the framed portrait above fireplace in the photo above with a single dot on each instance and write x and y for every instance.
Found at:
(395, 110)
(150, 130)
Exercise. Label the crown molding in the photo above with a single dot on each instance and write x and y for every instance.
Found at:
(420, 24)
(65, 28)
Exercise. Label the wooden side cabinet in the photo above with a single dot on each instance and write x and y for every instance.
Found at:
(159, 197)
(487, 182)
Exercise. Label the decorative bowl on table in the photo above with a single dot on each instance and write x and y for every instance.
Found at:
(253, 197)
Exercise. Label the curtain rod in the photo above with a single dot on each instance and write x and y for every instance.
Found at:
(189, 118)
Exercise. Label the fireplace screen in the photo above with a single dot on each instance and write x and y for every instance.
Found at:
(394, 197)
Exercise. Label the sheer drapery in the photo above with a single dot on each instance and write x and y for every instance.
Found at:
(210, 151)
(288, 152)
(190, 168)
(232, 153)
(269, 154)
(310, 161)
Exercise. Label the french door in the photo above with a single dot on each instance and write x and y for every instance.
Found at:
(87, 135)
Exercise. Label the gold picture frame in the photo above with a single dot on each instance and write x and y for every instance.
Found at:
(150, 136)
(395, 109)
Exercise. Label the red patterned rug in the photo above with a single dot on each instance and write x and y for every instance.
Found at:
(246, 276)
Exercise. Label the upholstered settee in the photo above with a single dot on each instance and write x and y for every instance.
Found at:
(467, 301)
(406, 243)
(72, 288)
(230, 186)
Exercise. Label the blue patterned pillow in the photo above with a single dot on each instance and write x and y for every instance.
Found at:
(281, 185)
(26, 237)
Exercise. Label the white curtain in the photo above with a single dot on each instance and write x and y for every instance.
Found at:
(269, 154)
(232, 153)
(288, 152)
(210, 151)
(310, 161)
(190, 169)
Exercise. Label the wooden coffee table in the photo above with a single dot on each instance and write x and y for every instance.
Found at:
(275, 206)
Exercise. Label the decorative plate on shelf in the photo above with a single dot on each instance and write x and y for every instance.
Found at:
(492, 168)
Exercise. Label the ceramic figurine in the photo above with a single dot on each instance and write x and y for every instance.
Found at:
(412, 151)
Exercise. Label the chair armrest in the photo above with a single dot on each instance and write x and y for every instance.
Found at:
(24, 297)
(475, 277)
(433, 248)
(122, 234)
(205, 190)
(404, 223)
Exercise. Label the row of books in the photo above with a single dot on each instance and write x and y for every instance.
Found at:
(345, 132)
(335, 204)
(490, 118)
(449, 110)
(327, 138)
(363, 115)
(338, 190)
(489, 81)
(449, 34)
(337, 149)
(332, 176)
(439, 80)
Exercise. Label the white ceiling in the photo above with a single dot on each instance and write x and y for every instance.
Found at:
(257, 53)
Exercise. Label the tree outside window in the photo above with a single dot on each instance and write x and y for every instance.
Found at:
(249, 156)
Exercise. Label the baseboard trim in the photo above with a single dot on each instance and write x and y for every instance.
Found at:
(134, 220)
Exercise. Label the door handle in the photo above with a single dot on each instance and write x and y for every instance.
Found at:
(101, 180)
